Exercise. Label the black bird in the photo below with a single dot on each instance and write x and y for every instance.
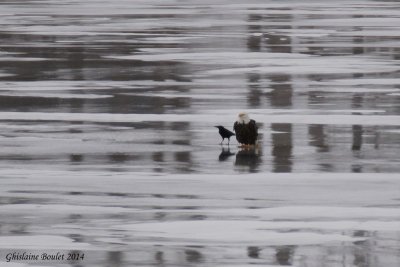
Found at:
(246, 130)
(225, 133)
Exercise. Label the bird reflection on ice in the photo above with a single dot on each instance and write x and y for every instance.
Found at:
(248, 159)
(225, 153)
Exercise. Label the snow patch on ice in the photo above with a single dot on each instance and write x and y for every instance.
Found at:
(6, 74)
(64, 96)
(388, 91)
(193, 96)
(33, 242)
(224, 232)
(19, 59)
(58, 208)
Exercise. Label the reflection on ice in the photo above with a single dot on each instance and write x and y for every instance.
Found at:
(225, 154)
(248, 159)
(193, 145)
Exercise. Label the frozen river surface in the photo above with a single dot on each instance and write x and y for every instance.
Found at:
(108, 145)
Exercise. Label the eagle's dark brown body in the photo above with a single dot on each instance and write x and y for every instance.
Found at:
(246, 133)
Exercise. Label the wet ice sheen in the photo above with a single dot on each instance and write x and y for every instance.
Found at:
(40, 242)
(234, 212)
(108, 147)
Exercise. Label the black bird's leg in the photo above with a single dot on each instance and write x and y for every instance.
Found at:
(222, 141)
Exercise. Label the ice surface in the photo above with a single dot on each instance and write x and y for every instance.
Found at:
(249, 209)
(210, 118)
(225, 232)
(244, 62)
(18, 59)
(65, 85)
(62, 209)
(61, 95)
(108, 144)
(35, 242)
(16, 264)
(195, 96)
(6, 74)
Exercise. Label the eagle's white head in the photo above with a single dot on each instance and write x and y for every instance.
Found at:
(243, 118)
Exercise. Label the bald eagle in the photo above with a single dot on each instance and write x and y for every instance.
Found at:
(246, 129)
